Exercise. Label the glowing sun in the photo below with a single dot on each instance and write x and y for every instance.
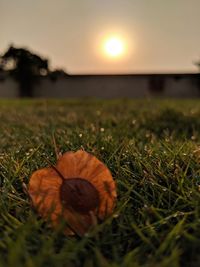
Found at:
(113, 47)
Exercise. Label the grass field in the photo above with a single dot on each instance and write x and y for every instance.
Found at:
(153, 151)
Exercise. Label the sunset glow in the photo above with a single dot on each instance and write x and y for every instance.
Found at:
(113, 47)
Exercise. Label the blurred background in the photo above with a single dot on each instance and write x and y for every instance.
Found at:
(105, 49)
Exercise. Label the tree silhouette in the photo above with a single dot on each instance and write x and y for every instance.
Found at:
(197, 80)
(25, 67)
(57, 74)
(197, 64)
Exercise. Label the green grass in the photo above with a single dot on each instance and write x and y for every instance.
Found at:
(153, 151)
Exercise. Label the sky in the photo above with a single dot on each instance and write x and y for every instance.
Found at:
(159, 35)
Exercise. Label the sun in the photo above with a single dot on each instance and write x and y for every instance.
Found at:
(113, 47)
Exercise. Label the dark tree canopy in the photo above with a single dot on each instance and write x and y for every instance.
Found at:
(57, 74)
(197, 64)
(25, 67)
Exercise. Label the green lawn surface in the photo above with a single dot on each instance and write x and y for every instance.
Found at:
(152, 148)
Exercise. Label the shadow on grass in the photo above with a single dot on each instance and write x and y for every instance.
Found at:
(173, 123)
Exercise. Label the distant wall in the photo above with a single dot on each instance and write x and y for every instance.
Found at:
(8, 88)
(110, 86)
(180, 86)
(106, 87)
